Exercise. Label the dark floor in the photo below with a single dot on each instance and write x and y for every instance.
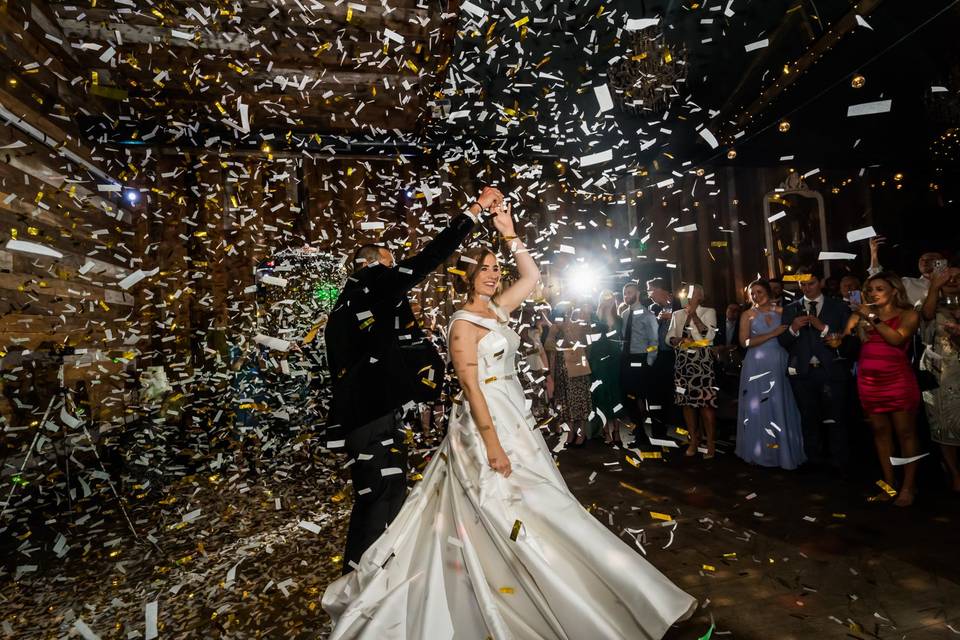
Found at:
(777, 554)
(770, 554)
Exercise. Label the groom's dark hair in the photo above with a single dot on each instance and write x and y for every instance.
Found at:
(366, 253)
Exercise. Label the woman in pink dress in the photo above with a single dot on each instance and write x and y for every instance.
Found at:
(885, 380)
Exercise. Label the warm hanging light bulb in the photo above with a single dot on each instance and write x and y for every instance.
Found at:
(858, 81)
(784, 126)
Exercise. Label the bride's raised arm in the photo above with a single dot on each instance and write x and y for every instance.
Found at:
(528, 270)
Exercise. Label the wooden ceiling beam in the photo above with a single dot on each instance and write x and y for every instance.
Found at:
(261, 26)
(810, 57)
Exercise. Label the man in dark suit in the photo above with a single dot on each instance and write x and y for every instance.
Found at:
(662, 388)
(819, 376)
(367, 330)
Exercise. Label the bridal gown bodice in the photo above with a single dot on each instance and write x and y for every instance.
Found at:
(475, 555)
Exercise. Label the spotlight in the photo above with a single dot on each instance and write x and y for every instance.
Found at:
(409, 193)
(132, 195)
(583, 280)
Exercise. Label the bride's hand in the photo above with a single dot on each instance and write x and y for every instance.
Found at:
(503, 220)
(499, 462)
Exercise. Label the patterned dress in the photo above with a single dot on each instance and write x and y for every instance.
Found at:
(694, 378)
(571, 395)
(943, 403)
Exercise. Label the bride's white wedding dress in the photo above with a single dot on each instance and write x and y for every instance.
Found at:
(474, 555)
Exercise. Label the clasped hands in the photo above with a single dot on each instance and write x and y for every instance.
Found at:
(491, 199)
(807, 320)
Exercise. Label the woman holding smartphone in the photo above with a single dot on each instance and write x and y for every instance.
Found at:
(885, 380)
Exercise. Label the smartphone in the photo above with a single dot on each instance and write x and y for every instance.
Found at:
(939, 266)
(856, 298)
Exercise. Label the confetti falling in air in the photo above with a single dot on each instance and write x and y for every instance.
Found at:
(184, 184)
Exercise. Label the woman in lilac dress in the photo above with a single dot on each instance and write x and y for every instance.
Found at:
(768, 421)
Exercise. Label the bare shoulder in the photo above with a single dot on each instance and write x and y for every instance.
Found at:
(909, 315)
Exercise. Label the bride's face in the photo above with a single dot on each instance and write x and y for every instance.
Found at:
(487, 278)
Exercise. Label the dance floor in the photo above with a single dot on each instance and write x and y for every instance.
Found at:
(770, 554)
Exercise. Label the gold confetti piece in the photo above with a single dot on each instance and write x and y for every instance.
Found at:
(890, 490)
(650, 455)
(349, 14)
(515, 533)
(660, 516)
(631, 488)
(522, 21)
(730, 555)
(708, 567)
(839, 515)
(682, 432)
(633, 461)
(429, 383)
(718, 243)
(412, 66)
(506, 590)
(490, 379)
(456, 272)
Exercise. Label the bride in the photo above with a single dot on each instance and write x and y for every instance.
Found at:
(491, 543)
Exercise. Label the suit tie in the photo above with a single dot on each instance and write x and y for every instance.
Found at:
(628, 331)
(814, 361)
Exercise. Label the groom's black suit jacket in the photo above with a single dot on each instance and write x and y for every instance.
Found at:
(809, 343)
(371, 316)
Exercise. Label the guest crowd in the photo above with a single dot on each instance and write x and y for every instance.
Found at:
(814, 366)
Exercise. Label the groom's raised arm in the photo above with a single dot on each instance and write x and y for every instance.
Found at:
(415, 269)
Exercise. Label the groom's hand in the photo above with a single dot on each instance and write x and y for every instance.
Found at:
(489, 197)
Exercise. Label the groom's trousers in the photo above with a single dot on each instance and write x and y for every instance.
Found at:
(379, 482)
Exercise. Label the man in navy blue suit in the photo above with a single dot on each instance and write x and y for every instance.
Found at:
(819, 376)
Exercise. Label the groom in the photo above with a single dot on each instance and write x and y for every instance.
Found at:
(818, 376)
(369, 324)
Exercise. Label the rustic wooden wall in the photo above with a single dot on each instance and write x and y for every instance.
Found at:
(52, 194)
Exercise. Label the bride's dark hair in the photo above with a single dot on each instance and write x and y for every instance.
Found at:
(469, 263)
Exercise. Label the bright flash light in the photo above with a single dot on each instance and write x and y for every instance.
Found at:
(132, 196)
(583, 280)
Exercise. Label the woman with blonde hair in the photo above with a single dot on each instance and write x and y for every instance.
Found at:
(691, 333)
(885, 380)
